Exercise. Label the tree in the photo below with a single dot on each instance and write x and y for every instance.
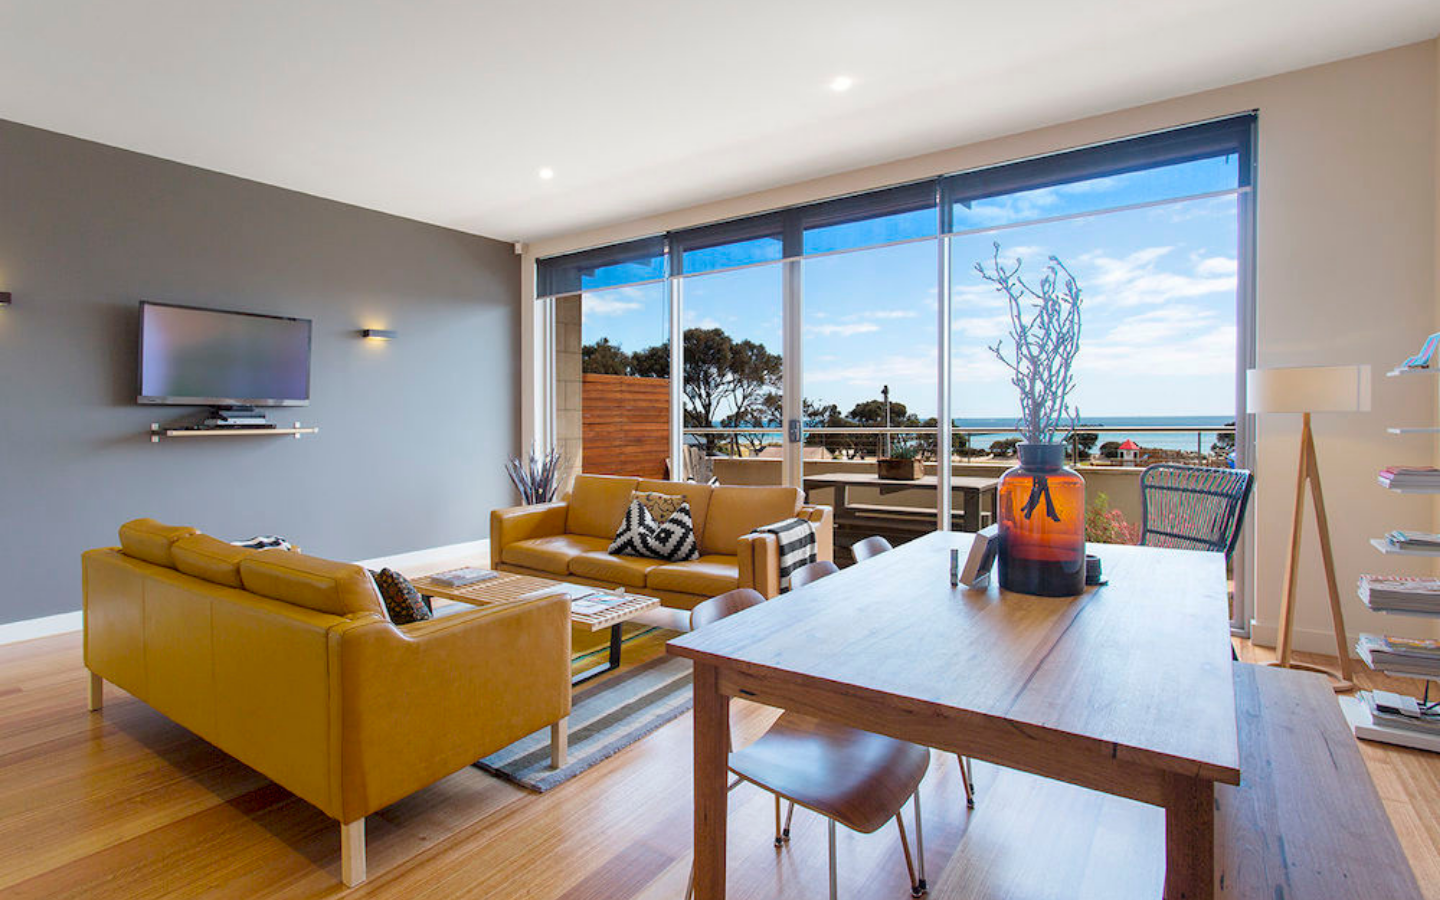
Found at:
(652, 362)
(1085, 443)
(872, 413)
(1004, 446)
(605, 358)
(1110, 449)
(726, 381)
(1224, 443)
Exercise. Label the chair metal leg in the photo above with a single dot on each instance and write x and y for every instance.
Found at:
(966, 780)
(920, 886)
(779, 837)
(789, 814)
(909, 861)
(834, 887)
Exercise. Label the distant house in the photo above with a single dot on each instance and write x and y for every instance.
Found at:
(1129, 453)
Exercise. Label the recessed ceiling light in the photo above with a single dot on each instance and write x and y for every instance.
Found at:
(842, 83)
(547, 173)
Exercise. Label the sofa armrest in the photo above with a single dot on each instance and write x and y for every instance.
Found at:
(823, 518)
(415, 704)
(759, 552)
(521, 523)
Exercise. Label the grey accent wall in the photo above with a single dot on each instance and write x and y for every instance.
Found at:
(414, 433)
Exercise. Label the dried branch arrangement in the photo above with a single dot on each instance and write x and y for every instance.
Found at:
(1045, 331)
(537, 477)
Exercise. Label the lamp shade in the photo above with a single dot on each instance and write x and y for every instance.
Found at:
(1308, 389)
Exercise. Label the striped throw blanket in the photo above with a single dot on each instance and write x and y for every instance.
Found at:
(796, 538)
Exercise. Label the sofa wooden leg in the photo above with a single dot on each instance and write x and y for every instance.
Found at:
(559, 743)
(352, 852)
(97, 692)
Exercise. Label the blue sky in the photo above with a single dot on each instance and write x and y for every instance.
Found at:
(1158, 285)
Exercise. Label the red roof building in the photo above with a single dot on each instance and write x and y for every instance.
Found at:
(1129, 445)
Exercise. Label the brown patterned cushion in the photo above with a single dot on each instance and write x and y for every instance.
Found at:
(402, 602)
(659, 506)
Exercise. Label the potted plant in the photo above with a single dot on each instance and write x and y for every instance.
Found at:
(903, 463)
(1040, 504)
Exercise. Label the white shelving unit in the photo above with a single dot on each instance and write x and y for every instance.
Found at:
(1357, 713)
(158, 431)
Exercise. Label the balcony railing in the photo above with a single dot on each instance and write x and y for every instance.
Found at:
(867, 442)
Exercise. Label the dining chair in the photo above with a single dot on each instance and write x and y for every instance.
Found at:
(812, 572)
(817, 570)
(871, 546)
(1193, 507)
(851, 777)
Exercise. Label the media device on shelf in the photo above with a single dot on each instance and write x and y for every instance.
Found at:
(232, 361)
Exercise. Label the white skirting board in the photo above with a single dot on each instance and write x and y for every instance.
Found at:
(1306, 640)
(1361, 722)
(28, 629)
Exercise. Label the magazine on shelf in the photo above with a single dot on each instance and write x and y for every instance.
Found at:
(1399, 711)
(1398, 593)
(1410, 476)
(1413, 540)
(1400, 655)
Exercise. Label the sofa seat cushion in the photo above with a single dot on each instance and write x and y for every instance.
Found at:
(629, 571)
(552, 554)
(708, 576)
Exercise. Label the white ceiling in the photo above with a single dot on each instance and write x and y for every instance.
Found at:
(445, 111)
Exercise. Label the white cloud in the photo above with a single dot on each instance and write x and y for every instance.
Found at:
(1138, 279)
(1177, 340)
(593, 305)
(889, 314)
(848, 330)
(983, 327)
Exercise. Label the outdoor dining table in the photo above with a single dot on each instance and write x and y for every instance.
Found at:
(968, 490)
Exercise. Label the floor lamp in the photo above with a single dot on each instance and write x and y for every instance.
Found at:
(1306, 390)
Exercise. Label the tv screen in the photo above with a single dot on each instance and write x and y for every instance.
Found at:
(191, 356)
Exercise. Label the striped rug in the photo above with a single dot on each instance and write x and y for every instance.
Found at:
(604, 720)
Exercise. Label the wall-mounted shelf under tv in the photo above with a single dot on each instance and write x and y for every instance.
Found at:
(1410, 370)
(158, 431)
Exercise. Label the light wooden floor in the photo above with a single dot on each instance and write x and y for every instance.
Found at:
(126, 804)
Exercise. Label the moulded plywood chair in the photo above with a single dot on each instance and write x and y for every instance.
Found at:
(866, 549)
(871, 546)
(851, 777)
(812, 572)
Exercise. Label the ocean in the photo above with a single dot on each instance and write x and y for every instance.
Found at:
(1160, 440)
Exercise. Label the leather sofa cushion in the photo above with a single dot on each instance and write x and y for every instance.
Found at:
(597, 504)
(149, 540)
(698, 496)
(736, 511)
(627, 570)
(708, 576)
(203, 556)
(553, 554)
(322, 585)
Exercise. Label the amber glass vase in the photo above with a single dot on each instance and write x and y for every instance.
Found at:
(1041, 513)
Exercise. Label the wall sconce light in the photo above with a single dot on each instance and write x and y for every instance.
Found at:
(378, 334)
(4, 299)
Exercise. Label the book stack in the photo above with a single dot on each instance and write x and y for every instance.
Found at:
(1401, 656)
(1413, 540)
(1410, 478)
(461, 577)
(1400, 594)
(1398, 711)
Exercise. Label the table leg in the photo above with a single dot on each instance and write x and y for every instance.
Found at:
(612, 663)
(971, 500)
(1189, 839)
(712, 745)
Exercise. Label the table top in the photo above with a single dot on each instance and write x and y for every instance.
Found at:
(1139, 668)
(957, 482)
(508, 587)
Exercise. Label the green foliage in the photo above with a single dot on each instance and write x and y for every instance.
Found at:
(605, 358)
(904, 451)
(1004, 446)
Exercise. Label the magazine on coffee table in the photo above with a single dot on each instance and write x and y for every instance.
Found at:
(584, 599)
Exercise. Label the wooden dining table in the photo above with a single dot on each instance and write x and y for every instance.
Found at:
(1126, 689)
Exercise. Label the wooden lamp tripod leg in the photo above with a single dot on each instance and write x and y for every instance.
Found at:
(1310, 471)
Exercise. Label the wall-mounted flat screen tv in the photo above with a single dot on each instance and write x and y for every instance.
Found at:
(193, 357)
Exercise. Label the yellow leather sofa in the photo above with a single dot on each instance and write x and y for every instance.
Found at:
(289, 664)
(568, 540)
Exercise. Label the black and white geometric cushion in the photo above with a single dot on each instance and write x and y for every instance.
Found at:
(672, 540)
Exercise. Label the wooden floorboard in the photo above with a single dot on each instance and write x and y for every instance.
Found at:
(124, 804)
